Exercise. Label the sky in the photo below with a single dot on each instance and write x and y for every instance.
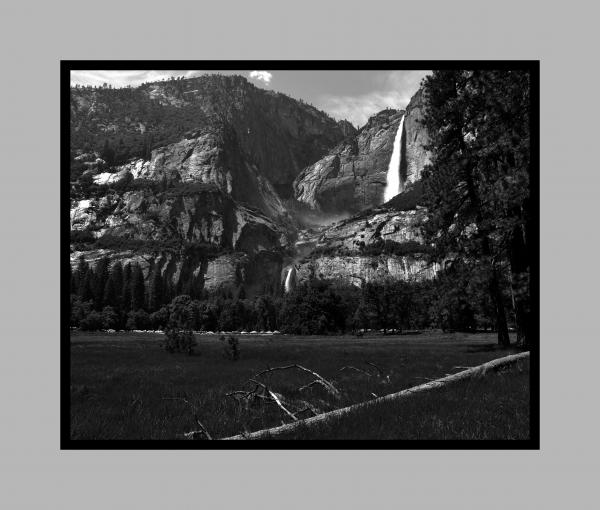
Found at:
(350, 95)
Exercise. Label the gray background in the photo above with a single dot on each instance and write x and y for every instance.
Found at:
(35, 474)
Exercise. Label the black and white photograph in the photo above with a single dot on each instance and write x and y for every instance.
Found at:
(275, 255)
(300, 251)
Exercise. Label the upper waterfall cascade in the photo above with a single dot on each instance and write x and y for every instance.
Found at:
(393, 186)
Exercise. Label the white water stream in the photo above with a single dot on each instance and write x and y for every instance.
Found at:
(393, 174)
(289, 279)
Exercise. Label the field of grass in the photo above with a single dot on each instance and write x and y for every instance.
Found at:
(495, 406)
(125, 386)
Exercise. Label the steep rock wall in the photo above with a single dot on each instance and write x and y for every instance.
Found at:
(352, 176)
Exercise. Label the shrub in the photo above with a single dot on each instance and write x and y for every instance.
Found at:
(91, 322)
(79, 309)
(179, 340)
(231, 349)
(160, 318)
(137, 320)
(110, 319)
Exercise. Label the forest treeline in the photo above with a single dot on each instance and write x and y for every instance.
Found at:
(116, 297)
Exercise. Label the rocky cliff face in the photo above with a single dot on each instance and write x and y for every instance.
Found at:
(212, 206)
(199, 194)
(276, 134)
(352, 176)
(211, 155)
(416, 139)
(371, 246)
(358, 270)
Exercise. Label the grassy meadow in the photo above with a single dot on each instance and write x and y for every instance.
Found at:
(125, 386)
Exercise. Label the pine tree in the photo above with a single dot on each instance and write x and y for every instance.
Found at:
(110, 293)
(80, 272)
(156, 292)
(138, 289)
(116, 275)
(101, 277)
(478, 182)
(126, 292)
(86, 288)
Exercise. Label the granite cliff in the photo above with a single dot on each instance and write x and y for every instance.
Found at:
(352, 176)
(203, 179)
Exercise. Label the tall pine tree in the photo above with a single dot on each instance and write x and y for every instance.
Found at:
(138, 288)
(477, 184)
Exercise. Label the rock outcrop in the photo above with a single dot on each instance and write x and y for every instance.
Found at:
(358, 270)
(373, 245)
(417, 138)
(200, 214)
(352, 176)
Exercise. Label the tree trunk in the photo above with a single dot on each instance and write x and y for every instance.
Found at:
(497, 299)
(519, 266)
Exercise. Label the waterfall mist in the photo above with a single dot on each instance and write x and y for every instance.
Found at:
(393, 174)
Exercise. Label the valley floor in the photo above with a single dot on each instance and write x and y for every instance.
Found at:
(125, 386)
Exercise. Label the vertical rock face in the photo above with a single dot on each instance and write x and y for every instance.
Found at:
(416, 139)
(358, 270)
(211, 155)
(352, 176)
(371, 246)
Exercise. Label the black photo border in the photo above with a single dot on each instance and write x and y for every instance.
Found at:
(66, 66)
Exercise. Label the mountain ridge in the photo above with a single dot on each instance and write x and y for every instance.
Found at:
(218, 205)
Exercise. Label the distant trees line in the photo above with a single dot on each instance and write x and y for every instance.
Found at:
(117, 297)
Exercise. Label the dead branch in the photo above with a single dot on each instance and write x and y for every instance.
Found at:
(327, 384)
(281, 406)
(193, 433)
(306, 386)
(309, 407)
(350, 367)
(376, 367)
(392, 397)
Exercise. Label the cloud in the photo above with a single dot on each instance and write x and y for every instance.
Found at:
(393, 90)
(264, 76)
(124, 78)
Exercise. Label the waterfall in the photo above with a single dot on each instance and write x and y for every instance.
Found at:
(393, 173)
(289, 279)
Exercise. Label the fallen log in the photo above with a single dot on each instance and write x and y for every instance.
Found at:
(437, 383)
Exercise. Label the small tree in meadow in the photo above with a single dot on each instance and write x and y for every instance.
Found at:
(231, 348)
(179, 336)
